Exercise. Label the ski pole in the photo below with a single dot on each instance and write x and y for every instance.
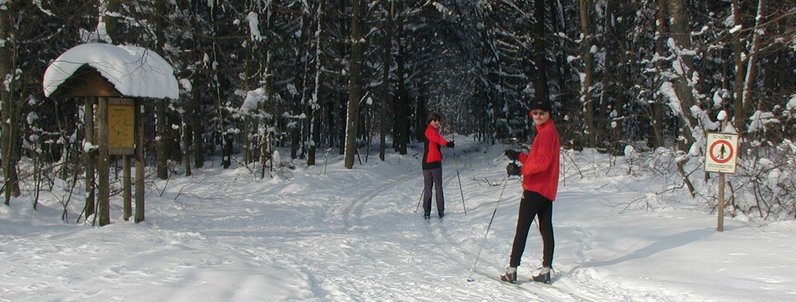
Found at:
(461, 191)
(505, 181)
(418, 201)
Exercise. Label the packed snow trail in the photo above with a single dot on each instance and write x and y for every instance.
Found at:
(355, 235)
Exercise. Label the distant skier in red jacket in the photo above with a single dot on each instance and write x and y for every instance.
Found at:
(539, 172)
(432, 165)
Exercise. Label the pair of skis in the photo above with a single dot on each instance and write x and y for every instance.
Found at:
(519, 281)
(461, 191)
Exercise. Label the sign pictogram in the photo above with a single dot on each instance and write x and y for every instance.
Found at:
(722, 152)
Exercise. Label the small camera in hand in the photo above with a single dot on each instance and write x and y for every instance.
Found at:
(450, 144)
(513, 169)
(512, 154)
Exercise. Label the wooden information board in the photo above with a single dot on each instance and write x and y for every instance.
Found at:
(121, 126)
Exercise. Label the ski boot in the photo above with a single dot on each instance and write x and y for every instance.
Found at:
(543, 276)
(510, 275)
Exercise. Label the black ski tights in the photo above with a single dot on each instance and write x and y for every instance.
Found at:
(533, 205)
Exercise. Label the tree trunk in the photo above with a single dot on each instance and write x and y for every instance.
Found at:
(401, 99)
(9, 112)
(354, 84)
(588, 72)
(186, 142)
(612, 77)
(384, 91)
(197, 127)
(420, 116)
(401, 131)
(749, 79)
(385, 79)
(655, 111)
(265, 153)
(338, 115)
(684, 88)
(740, 70)
(315, 107)
(539, 57)
(161, 141)
(294, 135)
(5, 98)
(111, 19)
(266, 147)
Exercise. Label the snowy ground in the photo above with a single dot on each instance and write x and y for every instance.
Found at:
(355, 235)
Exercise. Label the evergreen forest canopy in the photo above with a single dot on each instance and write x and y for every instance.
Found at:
(623, 76)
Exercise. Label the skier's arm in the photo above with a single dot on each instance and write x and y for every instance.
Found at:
(543, 155)
(434, 137)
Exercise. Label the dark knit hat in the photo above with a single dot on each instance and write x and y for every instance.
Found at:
(541, 105)
(433, 117)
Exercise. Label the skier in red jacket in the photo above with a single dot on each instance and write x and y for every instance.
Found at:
(539, 172)
(432, 165)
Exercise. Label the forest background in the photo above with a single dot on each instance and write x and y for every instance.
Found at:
(642, 79)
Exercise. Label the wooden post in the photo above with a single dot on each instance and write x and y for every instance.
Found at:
(139, 161)
(88, 156)
(720, 226)
(128, 203)
(103, 168)
(720, 218)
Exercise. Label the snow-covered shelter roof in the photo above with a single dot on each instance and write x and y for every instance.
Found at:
(132, 70)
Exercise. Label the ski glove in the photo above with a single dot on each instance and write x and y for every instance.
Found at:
(450, 144)
(513, 169)
(512, 154)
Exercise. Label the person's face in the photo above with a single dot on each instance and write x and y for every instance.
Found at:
(435, 123)
(539, 116)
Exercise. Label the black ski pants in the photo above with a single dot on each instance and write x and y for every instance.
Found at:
(534, 205)
(433, 178)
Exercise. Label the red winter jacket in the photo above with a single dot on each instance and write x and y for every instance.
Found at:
(540, 167)
(432, 157)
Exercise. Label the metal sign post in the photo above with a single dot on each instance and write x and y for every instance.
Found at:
(722, 151)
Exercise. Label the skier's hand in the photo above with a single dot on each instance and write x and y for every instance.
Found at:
(512, 154)
(513, 169)
(450, 144)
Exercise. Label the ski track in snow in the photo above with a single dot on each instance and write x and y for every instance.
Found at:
(346, 235)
